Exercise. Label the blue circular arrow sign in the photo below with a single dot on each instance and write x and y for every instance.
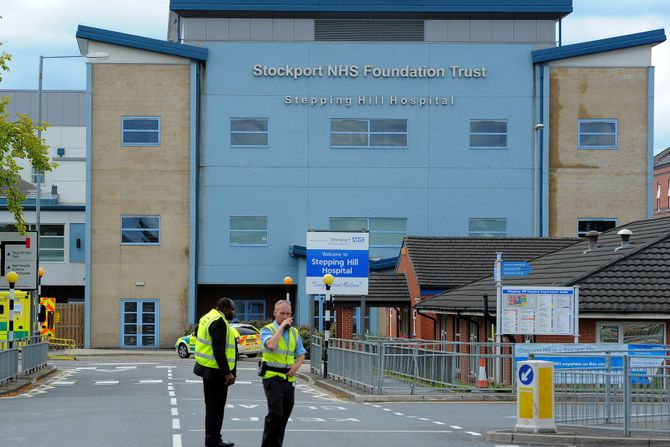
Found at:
(526, 374)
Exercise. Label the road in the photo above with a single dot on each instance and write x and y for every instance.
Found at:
(122, 401)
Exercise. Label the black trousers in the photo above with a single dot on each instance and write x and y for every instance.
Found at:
(280, 395)
(216, 393)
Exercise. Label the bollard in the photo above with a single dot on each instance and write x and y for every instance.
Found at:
(535, 396)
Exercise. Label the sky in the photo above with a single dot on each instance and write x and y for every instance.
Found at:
(30, 28)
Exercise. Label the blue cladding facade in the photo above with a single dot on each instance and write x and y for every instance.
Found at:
(298, 181)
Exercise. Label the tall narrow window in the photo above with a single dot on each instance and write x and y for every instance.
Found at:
(140, 230)
(140, 131)
(250, 231)
(249, 132)
(598, 134)
(658, 196)
(669, 194)
(372, 133)
(488, 134)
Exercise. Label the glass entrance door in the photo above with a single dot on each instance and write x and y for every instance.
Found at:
(139, 323)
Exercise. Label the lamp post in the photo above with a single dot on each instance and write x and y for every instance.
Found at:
(537, 128)
(36, 321)
(287, 282)
(11, 278)
(328, 280)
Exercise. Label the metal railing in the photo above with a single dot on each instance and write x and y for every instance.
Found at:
(9, 362)
(34, 355)
(628, 392)
(24, 357)
(404, 366)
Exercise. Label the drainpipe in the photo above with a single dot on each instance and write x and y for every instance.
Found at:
(434, 322)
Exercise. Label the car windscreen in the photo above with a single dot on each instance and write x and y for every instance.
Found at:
(246, 331)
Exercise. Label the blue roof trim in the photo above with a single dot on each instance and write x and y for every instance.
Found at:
(558, 7)
(31, 207)
(599, 46)
(142, 43)
(375, 265)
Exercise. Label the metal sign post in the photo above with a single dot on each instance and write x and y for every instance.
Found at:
(497, 275)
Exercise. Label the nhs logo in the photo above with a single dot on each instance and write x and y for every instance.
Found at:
(357, 239)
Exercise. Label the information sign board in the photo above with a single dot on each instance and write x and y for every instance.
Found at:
(539, 311)
(19, 254)
(342, 254)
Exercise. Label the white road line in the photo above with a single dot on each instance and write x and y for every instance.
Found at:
(63, 382)
(171, 393)
(151, 381)
(105, 382)
(170, 387)
(438, 423)
(193, 381)
(473, 433)
(333, 430)
(86, 367)
(175, 411)
(173, 402)
(163, 366)
(242, 383)
(424, 419)
(398, 414)
(175, 424)
(456, 427)
(176, 440)
(387, 409)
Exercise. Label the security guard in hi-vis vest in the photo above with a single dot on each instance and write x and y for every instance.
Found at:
(283, 353)
(215, 357)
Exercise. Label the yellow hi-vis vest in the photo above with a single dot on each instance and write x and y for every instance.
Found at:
(283, 356)
(204, 352)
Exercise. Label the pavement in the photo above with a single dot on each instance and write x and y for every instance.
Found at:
(565, 436)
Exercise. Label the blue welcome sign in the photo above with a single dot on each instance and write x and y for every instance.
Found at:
(342, 254)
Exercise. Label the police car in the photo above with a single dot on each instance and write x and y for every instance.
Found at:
(247, 336)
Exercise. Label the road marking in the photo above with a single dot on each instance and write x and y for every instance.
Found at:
(439, 423)
(334, 431)
(456, 427)
(173, 401)
(424, 419)
(105, 382)
(63, 382)
(398, 414)
(387, 409)
(165, 366)
(171, 393)
(170, 387)
(175, 411)
(175, 424)
(176, 440)
(242, 383)
(473, 433)
(151, 381)
(193, 381)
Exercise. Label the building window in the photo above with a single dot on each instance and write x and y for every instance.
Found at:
(598, 134)
(140, 131)
(631, 332)
(669, 194)
(487, 227)
(249, 132)
(599, 225)
(384, 231)
(35, 177)
(251, 231)
(488, 134)
(658, 196)
(140, 230)
(372, 133)
(248, 311)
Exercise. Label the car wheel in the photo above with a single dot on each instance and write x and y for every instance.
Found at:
(251, 356)
(183, 351)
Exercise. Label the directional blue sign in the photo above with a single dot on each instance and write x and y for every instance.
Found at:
(516, 268)
(526, 374)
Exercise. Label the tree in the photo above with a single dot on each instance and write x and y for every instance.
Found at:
(18, 140)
